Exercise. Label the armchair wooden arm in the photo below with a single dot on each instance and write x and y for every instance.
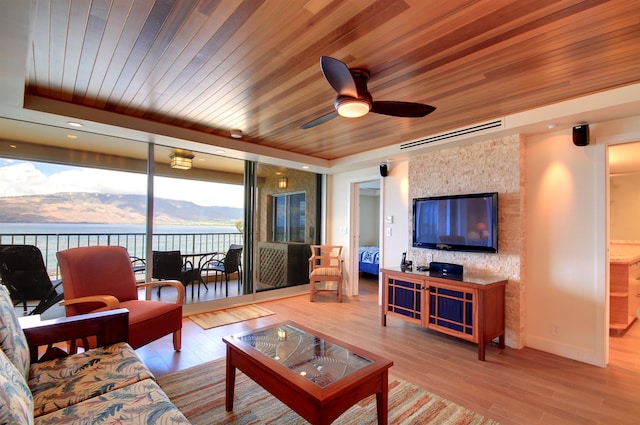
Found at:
(109, 301)
(108, 327)
(175, 283)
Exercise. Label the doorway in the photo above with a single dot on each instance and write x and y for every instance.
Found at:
(624, 250)
(365, 218)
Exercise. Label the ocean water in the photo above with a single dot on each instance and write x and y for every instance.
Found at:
(90, 228)
(53, 237)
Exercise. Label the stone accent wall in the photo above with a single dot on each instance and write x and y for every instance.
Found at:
(491, 166)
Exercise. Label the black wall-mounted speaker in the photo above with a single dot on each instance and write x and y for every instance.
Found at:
(581, 135)
(384, 171)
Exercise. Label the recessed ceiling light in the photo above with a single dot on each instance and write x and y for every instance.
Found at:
(236, 134)
(550, 126)
(306, 167)
(12, 146)
(74, 124)
(71, 136)
(220, 151)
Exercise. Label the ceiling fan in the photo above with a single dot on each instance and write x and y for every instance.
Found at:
(354, 100)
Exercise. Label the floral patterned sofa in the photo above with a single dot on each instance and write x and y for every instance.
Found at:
(109, 384)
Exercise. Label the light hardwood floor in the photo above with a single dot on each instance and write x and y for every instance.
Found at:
(512, 386)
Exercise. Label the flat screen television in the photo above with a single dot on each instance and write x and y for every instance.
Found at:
(457, 223)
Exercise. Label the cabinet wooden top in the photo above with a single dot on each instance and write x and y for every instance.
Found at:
(628, 260)
(624, 254)
(472, 278)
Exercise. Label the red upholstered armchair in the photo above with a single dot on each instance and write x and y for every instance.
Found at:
(101, 278)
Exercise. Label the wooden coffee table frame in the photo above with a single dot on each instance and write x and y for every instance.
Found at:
(318, 405)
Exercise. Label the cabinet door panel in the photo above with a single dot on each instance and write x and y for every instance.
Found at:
(404, 298)
(451, 310)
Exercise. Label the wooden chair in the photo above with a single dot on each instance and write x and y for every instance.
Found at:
(325, 265)
(99, 278)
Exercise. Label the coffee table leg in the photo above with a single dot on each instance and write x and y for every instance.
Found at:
(382, 400)
(230, 383)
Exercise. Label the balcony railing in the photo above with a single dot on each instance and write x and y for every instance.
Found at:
(186, 243)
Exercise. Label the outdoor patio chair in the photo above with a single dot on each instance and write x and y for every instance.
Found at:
(223, 265)
(171, 265)
(99, 278)
(23, 272)
(138, 264)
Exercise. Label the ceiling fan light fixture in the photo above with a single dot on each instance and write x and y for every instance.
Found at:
(351, 107)
(354, 99)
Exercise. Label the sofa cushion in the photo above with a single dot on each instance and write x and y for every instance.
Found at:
(15, 398)
(143, 402)
(12, 339)
(69, 380)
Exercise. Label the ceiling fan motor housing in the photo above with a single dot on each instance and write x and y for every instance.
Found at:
(352, 107)
(361, 77)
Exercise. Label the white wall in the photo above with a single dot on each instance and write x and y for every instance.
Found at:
(565, 247)
(567, 243)
(625, 207)
(566, 228)
(369, 219)
(396, 205)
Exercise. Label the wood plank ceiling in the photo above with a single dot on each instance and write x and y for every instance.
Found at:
(218, 65)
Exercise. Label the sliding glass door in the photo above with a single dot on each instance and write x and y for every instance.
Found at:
(287, 224)
(202, 206)
(198, 214)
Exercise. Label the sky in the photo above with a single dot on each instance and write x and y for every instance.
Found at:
(18, 178)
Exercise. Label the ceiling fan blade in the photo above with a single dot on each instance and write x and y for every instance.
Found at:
(402, 109)
(318, 121)
(339, 76)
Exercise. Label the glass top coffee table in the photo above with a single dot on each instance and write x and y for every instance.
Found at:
(315, 375)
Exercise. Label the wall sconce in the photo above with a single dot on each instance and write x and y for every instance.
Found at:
(181, 161)
(283, 182)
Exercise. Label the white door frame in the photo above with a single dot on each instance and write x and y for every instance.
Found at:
(354, 224)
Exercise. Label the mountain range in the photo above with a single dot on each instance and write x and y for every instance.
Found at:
(67, 207)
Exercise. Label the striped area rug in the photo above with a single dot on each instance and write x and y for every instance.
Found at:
(199, 393)
(212, 319)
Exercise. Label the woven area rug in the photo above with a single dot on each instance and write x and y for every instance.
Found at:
(212, 319)
(199, 393)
